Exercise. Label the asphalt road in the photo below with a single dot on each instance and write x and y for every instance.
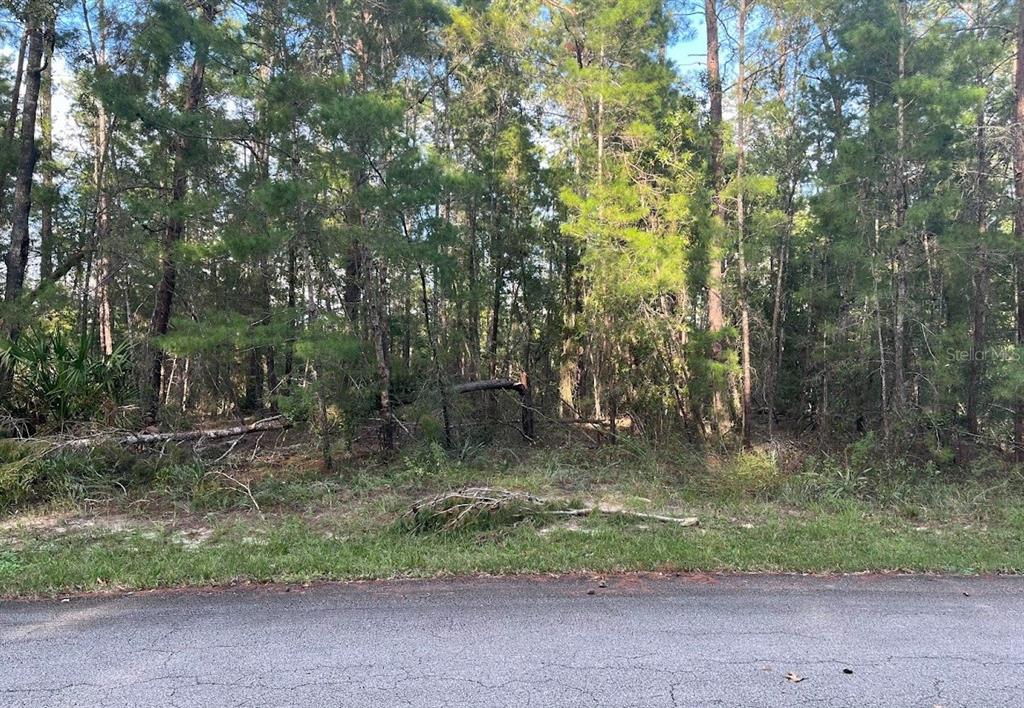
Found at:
(684, 641)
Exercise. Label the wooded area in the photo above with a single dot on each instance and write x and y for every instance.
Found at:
(380, 214)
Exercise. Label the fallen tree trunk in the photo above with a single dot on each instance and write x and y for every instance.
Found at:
(520, 386)
(491, 385)
(600, 424)
(277, 422)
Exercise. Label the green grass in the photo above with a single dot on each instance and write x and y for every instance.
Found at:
(295, 548)
(184, 527)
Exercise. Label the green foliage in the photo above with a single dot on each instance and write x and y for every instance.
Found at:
(429, 464)
(749, 474)
(296, 548)
(30, 473)
(867, 472)
(397, 196)
(59, 378)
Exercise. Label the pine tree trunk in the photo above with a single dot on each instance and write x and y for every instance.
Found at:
(46, 168)
(883, 370)
(264, 355)
(495, 327)
(17, 256)
(1018, 221)
(716, 316)
(19, 74)
(435, 355)
(377, 280)
(774, 368)
(775, 365)
(357, 271)
(979, 275)
(173, 231)
(292, 283)
(353, 290)
(567, 364)
(473, 319)
(901, 261)
(746, 406)
(253, 398)
(12, 116)
(103, 201)
(312, 311)
(40, 33)
(268, 352)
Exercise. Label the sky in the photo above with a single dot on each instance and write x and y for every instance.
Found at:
(689, 52)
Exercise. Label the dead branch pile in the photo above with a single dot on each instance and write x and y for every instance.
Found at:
(483, 506)
(468, 507)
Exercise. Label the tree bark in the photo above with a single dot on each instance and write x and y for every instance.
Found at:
(901, 261)
(526, 418)
(979, 275)
(490, 385)
(473, 300)
(377, 280)
(493, 332)
(261, 155)
(746, 406)
(40, 33)
(312, 311)
(883, 369)
(17, 256)
(19, 73)
(46, 168)
(357, 270)
(567, 365)
(173, 230)
(291, 279)
(275, 423)
(435, 355)
(778, 315)
(103, 201)
(1018, 221)
(12, 116)
(716, 317)
(269, 352)
(778, 275)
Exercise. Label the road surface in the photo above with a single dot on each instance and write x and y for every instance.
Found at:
(682, 641)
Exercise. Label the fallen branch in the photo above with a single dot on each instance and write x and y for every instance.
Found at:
(520, 386)
(623, 422)
(490, 385)
(463, 507)
(241, 486)
(591, 510)
(277, 422)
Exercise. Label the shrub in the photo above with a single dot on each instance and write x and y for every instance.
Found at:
(29, 474)
(16, 472)
(750, 474)
(58, 379)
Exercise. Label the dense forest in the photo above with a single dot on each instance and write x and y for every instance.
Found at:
(431, 218)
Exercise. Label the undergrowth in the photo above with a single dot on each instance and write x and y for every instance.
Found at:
(632, 473)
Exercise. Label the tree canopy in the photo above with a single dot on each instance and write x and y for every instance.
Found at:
(346, 211)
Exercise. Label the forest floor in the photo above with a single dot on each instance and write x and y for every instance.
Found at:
(280, 518)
